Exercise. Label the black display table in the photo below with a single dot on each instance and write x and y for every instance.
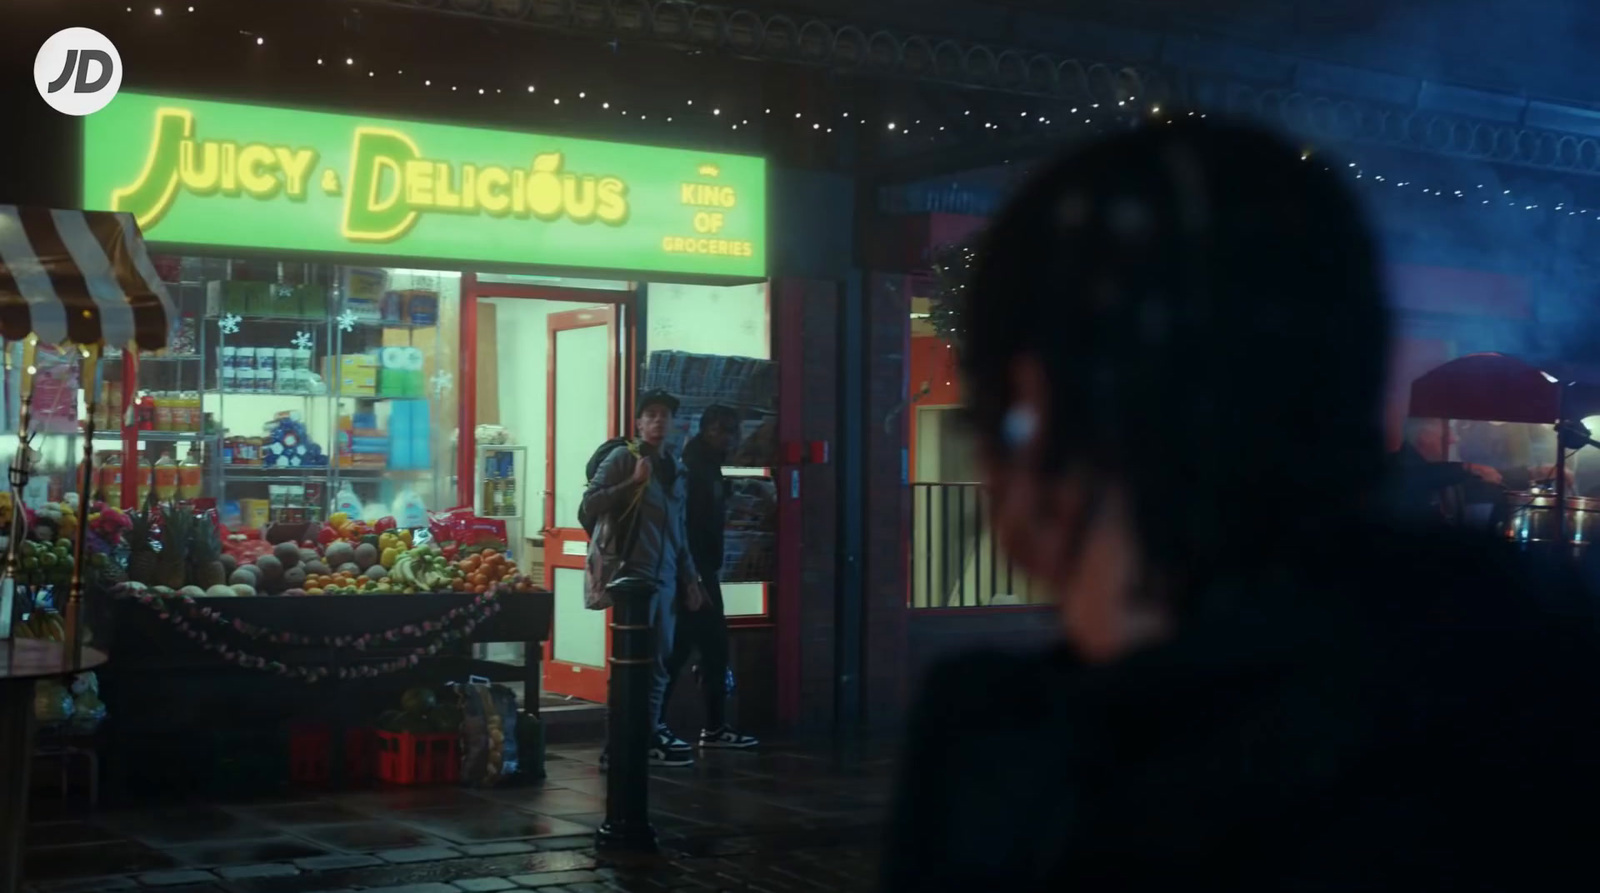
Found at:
(171, 700)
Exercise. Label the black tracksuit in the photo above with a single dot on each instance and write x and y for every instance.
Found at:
(705, 630)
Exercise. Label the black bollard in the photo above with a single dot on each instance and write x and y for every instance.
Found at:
(628, 723)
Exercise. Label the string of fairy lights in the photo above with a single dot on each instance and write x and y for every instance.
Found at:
(1095, 115)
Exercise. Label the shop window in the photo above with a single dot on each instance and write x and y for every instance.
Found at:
(298, 390)
(713, 345)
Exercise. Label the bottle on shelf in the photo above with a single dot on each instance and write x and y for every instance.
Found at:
(191, 475)
(166, 478)
(146, 477)
(110, 482)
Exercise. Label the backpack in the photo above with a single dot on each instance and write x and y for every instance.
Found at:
(589, 471)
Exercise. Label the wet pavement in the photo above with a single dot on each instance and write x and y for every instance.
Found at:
(784, 819)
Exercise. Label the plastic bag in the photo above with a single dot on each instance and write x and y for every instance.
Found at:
(488, 733)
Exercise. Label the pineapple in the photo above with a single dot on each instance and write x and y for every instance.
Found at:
(141, 553)
(205, 556)
(177, 531)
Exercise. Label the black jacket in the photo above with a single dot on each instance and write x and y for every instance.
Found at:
(708, 505)
(1408, 711)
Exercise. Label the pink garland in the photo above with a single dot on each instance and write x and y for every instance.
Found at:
(482, 608)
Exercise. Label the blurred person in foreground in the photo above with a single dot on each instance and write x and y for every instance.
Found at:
(1174, 349)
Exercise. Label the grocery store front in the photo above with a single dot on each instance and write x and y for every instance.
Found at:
(384, 318)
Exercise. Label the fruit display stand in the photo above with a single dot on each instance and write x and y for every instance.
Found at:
(303, 633)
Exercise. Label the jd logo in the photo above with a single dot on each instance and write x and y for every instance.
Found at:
(77, 71)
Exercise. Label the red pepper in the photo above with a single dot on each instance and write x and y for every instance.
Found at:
(327, 535)
(384, 525)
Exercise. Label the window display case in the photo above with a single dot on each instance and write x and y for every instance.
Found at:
(293, 391)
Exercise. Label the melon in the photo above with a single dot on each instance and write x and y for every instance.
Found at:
(294, 593)
(340, 553)
(318, 567)
(294, 577)
(376, 572)
(245, 575)
(366, 555)
(230, 563)
(192, 592)
(244, 590)
(349, 568)
(271, 568)
(308, 555)
(220, 591)
(287, 553)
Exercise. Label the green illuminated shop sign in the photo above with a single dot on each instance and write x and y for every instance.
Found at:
(240, 176)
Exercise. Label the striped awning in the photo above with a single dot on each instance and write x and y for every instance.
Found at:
(79, 277)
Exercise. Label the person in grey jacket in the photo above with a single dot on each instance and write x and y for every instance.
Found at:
(643, 488)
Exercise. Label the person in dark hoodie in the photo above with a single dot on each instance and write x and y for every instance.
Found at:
(1174, 350)
(706, 630)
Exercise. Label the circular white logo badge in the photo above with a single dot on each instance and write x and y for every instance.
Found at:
(77, 71)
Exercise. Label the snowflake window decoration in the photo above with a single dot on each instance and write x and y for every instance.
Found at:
(347, 321)
(442, 381)
(282, 291)
(302, 341)
(229, 324)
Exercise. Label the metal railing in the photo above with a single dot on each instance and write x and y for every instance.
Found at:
(955, 560)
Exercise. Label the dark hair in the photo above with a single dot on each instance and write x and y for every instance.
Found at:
(717, 414)
(1206, 303)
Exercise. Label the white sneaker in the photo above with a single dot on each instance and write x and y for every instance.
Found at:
(727, 738)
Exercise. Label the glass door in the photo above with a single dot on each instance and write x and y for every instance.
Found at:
(581, 396)
(543, 370)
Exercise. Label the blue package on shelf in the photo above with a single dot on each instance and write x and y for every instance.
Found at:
(400, 421)
(421, 433)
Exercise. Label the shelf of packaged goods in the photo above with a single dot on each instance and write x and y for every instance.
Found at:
(264, 471)
(237, 393)
(158, 358)
(302, 320)
(156, 436)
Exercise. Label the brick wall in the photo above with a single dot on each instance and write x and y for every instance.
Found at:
(806, 320)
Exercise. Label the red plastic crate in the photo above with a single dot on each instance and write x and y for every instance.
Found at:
(311, 754)
(405, 758)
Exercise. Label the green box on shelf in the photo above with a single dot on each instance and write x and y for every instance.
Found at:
(312, 300)
(243, 298)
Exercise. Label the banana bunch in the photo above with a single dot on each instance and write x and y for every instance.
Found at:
(42, 625)
(424, 567)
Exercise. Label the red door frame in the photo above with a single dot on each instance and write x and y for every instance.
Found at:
(577, 680)
(467, 354)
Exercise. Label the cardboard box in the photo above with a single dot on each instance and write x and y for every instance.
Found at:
(255, 513)
(356, 376)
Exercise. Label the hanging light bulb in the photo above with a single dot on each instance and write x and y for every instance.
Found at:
(349, 61)
(605, 105)
(260, 41)
(530, 88)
